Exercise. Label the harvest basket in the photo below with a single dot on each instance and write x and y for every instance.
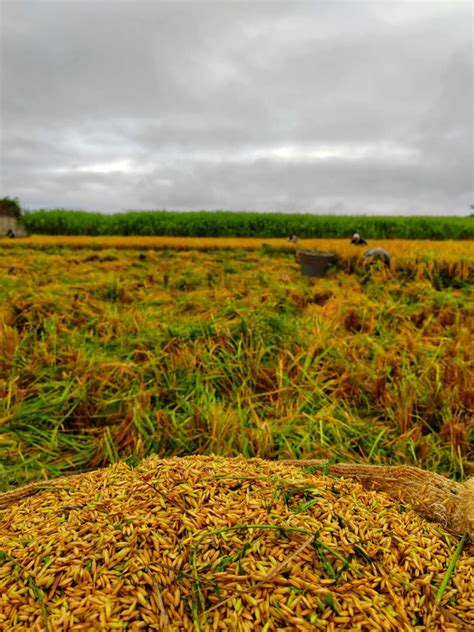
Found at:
(314, 263)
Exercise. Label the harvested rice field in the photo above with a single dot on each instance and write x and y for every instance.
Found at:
(108, 353)
(209, 543)
(186, 427)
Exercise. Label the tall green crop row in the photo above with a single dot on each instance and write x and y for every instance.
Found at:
(232, 224)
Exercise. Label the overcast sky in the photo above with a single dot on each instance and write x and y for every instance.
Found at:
(318, 106)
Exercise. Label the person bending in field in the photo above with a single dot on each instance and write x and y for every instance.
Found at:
(377, 254)
(294, 239)
(358, 240)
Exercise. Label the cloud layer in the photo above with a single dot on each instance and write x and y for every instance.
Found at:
(309, 107)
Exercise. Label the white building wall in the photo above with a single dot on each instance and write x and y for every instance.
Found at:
(10, 222)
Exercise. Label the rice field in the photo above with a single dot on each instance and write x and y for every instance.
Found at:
(113, 348)
(220, 359)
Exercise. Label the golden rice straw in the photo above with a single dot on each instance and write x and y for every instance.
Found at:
(15, 495)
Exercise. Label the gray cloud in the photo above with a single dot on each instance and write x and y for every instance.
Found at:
(297, 106)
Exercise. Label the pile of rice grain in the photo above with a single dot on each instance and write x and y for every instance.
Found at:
(206, 543)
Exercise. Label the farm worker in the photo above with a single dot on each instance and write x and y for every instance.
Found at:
(378, 254)
(294, 239)
(358, 240)
(10, 233)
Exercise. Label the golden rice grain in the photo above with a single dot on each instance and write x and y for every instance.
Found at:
(217, 544)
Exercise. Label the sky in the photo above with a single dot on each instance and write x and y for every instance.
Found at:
(335, 107)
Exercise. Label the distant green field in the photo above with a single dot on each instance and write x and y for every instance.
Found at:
(233, 224)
